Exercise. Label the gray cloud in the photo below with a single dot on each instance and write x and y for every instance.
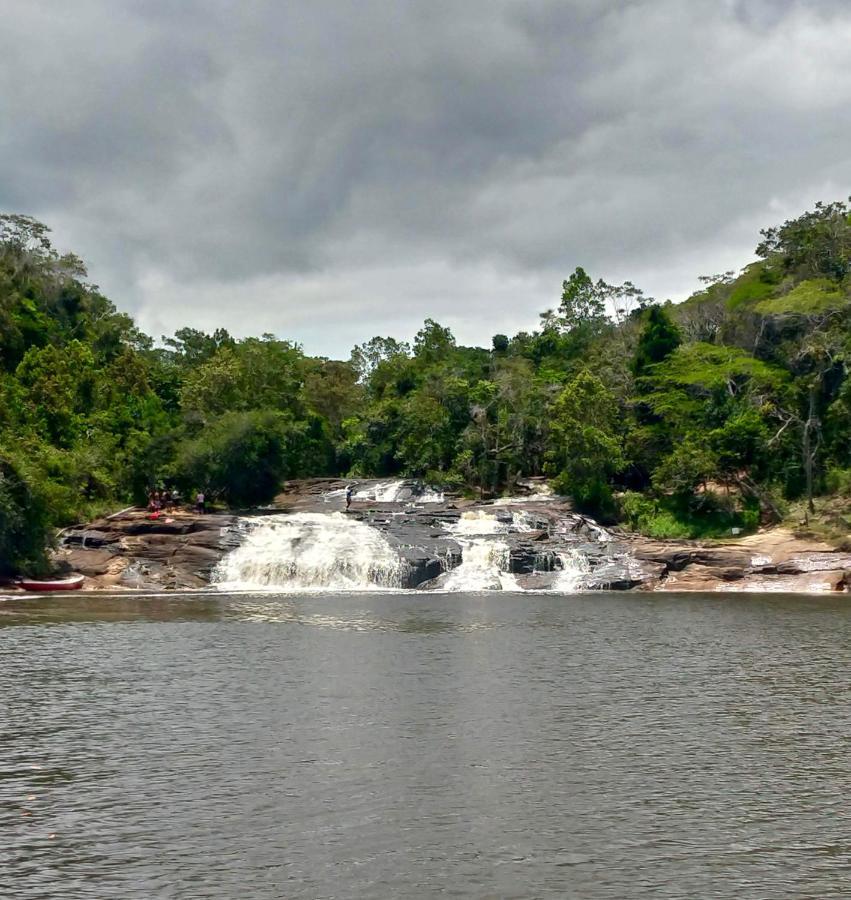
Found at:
(334, 170)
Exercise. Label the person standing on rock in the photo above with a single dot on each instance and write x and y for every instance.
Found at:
(349, 491)
(200, 500)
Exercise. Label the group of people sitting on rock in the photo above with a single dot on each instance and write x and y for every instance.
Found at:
(162, 500)
(165, 500)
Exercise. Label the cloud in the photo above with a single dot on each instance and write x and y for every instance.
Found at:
(329, 171)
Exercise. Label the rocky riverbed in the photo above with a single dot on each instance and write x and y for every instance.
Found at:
(535, 541)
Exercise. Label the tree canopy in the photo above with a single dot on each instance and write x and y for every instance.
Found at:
(627, 404)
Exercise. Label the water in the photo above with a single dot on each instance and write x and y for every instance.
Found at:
(310, 551)
(303, 552)
(574, 568)
(399, 491)
(485, 557)
(484, 567)
(399, 745)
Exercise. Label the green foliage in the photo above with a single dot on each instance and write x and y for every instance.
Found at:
(585, 446)
(707, 368)
(241, 459)
(689, 464)
(838, 481)
(657, 341)
(743, 388)
(366, 357)
(818, 243)
(707, 516)
(581, 301)
(810, 297)
(433, 342)
(24, 519)
(257, 373)
(753, 285)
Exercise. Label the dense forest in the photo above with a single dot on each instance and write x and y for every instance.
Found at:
(724, 410)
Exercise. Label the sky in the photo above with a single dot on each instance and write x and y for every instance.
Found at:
(331, 171)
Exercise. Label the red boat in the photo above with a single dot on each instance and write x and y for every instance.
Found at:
(74, 583)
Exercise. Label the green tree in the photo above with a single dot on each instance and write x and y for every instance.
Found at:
(240, 459)
(500, 343)
(585, 443)
(433, 342)
(366, 357)
(814, 244)
(658, 339)
(24, 520)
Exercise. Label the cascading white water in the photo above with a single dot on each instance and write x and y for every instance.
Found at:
(574, 568)
(484, 558)
(383, 492)
(398, 491)
(484, 567)
(310, 552)
(430, 495)
(476, 523)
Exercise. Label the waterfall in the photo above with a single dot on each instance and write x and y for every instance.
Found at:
(484, 567)
(476, 523)
(309, 552)
(399, 491)
(383, 492)
(574, 568)
(320, 552)
(484, 557)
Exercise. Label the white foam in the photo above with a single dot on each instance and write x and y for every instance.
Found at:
(310, 552)
(574, 568)
(484, 567)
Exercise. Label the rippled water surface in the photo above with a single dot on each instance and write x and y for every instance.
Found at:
(595, 746)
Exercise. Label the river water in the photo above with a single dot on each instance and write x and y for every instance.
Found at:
(409, 745)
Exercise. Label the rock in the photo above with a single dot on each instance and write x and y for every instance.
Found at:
(814, 562)
(215, 539)
(624, 574)
(90, 562)
(693, 578)
(537, 581)
(420, 568)
(720, 557)
(135, 551)
(817, 582)
(90, 538)
(673, 556)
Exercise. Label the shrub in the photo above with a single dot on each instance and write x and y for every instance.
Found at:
(700, 516)
(838, 481)
(241, 459)
(24, 521)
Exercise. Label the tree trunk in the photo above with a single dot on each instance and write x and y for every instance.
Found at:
(769, 513)
(808, 451)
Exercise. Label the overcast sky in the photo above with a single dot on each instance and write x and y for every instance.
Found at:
(329, 171)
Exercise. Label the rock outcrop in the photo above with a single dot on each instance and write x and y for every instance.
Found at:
(131, 550)
(540, 534)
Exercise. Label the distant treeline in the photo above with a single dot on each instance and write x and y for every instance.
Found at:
(677, 419)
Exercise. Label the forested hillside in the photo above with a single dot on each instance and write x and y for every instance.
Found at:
(676, 419)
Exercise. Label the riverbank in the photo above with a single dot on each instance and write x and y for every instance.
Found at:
(539, 536)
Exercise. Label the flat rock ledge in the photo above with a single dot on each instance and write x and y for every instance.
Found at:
(179, 551)
(173, 552)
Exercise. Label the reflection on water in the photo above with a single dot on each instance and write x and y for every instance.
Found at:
(595, 746)
(57, 609)
(202, 606)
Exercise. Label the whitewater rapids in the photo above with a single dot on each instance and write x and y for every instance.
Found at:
(306, 552)
(323, 552)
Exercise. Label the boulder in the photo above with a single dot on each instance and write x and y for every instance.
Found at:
(90, 538)
(693, 578)
(90, 562)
